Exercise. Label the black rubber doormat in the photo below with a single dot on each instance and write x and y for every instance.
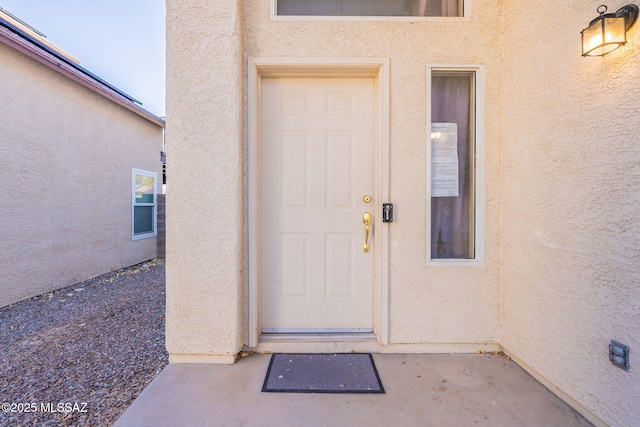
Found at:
(322, 373)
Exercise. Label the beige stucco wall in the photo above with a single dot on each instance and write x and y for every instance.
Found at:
(205, 214)
(427, 304)
(571, 203)
(67, 155)
(206, 272)
(562, 163)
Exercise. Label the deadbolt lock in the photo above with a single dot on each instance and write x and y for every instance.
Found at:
(366, 198)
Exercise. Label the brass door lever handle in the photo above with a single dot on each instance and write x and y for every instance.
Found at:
(366, 219)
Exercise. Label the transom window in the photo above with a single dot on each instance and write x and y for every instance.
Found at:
(369, 7)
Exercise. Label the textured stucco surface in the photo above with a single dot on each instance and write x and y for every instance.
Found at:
(205, 276)
(67, 155)
(562, 178)
(427, 304)
(571, 203)
(204, 194)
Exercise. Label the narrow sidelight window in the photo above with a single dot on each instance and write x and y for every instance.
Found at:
(453, 160)
(144, 204)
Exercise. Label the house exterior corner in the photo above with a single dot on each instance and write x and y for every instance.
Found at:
(68, 151)
(546, 262)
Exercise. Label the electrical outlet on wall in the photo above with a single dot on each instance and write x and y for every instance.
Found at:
(619, 355)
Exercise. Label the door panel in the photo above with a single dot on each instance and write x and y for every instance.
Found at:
(316, 155)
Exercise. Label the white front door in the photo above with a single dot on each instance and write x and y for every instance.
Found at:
(316, 167)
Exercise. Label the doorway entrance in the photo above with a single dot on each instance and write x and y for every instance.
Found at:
(318, 138)
(317, 181)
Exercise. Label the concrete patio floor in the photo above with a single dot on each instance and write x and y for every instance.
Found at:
(421, 390)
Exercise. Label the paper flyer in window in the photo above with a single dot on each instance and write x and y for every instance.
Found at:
(444, 160)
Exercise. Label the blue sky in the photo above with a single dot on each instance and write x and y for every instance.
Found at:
(121, 41)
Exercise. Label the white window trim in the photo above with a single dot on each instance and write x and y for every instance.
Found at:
(466, 16)
(479, 194)
(154, 175)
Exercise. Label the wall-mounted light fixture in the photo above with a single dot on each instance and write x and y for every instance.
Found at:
(608, 31)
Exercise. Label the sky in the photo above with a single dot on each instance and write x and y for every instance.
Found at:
(120, 41)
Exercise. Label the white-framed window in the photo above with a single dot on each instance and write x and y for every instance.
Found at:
(371, 8)
(143, 204)
(455, 165)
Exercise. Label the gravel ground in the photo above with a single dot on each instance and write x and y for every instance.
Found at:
(79, 356)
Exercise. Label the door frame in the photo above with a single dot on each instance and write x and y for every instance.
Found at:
(376, 68)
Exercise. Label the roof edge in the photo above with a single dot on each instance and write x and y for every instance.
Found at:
(24, 43)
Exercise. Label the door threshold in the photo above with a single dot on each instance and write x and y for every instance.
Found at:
(315, 342)
(318, 336)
